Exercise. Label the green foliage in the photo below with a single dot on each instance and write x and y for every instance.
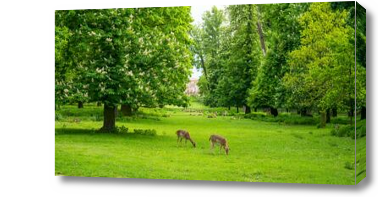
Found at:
(127, 56)
(343, 131)
(149, 132)
(284, 119)
(281, 28)
(58, 116)
(321, 69)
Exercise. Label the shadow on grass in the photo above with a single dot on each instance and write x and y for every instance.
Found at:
(62, 131)
(97, 132)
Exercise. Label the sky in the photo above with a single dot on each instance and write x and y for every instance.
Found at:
(197, 12)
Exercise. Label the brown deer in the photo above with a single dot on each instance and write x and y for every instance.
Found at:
(181, 134)
(217, 139)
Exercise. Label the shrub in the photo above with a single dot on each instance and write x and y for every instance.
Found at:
(361, 131)
(342, 131)
(116, 130)
(297, 120)
(149, 132)
(339, 120)
(361, 128)
(58, 116)
(123, 129)
(211, 116)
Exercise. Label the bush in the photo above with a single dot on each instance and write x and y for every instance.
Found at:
(149, 132)
(361, 132)
(211, 116)
(343, 131)
(339, 120)
(58, 116)
(361, 128)
(116, 130)
(301, 120)
(123, 129)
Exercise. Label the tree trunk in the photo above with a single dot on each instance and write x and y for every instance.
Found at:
(80, 104)
(229, 108)
(350, 113)
(247, 110)
(98, 104)
(287, 110)
(260, 31)
(323, 119)
(303, 112)
(126, 110)
(363, 113)
(334, 112)
(255, 109)
(204, 71)
(274, 111)
(328, 116)
(109, 118)
(237, 109)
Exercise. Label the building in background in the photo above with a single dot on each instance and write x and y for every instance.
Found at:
(192, 88)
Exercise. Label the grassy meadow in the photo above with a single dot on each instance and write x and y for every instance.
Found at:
(260, 151)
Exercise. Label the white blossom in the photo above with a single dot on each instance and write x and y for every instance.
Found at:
(130, 73)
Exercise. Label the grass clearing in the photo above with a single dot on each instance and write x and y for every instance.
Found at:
(259, 151)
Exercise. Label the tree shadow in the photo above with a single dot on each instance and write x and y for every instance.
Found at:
(62, 131)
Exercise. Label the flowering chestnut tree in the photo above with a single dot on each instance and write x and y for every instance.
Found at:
(130, 56)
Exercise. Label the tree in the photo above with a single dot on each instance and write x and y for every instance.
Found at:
(357, 19)
(62, 36)
(321, 69)
(246, 53)
(282, 36)
(130, 56)
(211, 45)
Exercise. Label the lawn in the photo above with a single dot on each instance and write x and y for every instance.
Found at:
(259, 151)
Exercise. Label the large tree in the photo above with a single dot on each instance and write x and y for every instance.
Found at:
(321, 69)
(246, 51)
(213, 21)
(282, 35)
(130, 56)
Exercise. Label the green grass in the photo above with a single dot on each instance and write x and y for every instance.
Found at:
(259, 151)
(361, 159)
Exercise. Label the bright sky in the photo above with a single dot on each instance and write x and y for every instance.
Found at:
(197, 12)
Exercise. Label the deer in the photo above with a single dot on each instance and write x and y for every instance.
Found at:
(217, 139)
(181, 134)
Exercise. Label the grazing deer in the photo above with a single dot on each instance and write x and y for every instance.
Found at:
(217, 139)
(181, 134)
